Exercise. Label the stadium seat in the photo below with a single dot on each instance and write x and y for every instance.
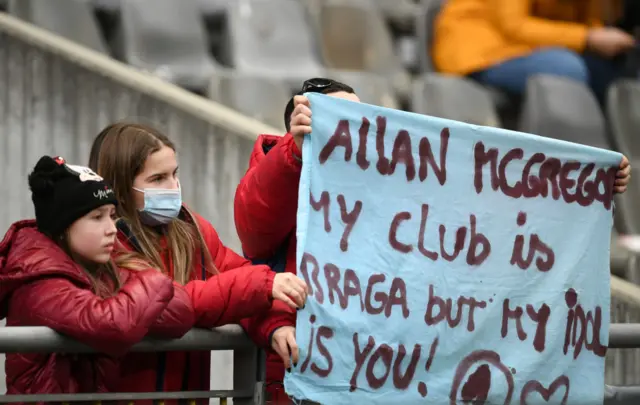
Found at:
(72, 19)
(271, 38)
(455, 98)
(425, 26)
(622, 258)
(258, 97)
(398, 12)
(368, 46)
(212, 7)
(167, 38)
(107, 5)
(370, 88)
(623, 107)
(563, 109)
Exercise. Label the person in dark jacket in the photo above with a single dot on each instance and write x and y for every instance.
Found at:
(57, 271)
(156, 226)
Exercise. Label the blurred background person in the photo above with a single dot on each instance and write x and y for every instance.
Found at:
(502, 43)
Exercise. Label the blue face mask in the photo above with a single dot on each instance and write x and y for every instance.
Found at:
(161, 205)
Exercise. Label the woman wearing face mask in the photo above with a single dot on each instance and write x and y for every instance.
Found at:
(57, 272)
(153, 224)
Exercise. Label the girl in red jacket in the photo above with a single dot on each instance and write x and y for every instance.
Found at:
(57, 272)
(155, 226)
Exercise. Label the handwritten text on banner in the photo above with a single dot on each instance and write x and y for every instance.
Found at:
(449, 263)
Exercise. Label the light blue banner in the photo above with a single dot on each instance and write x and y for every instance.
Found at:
(449, 263)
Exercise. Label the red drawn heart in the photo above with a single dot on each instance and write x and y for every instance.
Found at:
(535, 386)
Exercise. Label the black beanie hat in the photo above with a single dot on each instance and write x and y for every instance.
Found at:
(63, 193)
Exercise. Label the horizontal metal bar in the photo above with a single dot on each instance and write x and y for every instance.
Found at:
(624, 336)
(621, 395)
(613, 395)
(39, 339)
(125, 396)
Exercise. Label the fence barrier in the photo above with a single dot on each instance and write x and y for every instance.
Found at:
(248, 363)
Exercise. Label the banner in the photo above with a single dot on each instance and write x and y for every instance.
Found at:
(449, 263)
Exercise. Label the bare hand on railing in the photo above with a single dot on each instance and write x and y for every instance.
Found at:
(290, 289)
(622, 176)
(300, 119)
(284, 343)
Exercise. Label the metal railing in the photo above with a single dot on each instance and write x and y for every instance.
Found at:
(248, 363)
(623, 360)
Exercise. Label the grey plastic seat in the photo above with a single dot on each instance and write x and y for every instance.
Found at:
(271, 38)
(258, 97)
(399, 12)
(455, 98)
(623, 107)
(425, 32)
(213, 7)
(370, 88)
(425, 20)
(107, 5)
(564, 109)
(72, 19)
(167, 38)
(353, 35)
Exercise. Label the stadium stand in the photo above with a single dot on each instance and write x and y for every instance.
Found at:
(251, 55)
(454, 98)
(170, 41)
(72, 19)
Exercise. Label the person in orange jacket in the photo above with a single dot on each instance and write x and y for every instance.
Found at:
(503, 42)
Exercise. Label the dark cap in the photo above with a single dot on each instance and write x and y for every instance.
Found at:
(315, 85)
(62, 193)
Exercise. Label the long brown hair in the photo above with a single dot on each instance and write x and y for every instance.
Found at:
(118, 154)
(97, 273)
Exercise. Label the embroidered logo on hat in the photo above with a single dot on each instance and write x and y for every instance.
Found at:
(84, 173)
(102, 194)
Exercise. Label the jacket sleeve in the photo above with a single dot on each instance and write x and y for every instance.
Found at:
(260, 327)
(513, 18)
(177, 318)
(223, 257)
(110, 325)
(266, 200)
(229, 297)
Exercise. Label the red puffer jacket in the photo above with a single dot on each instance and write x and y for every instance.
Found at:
(266, 204)
(240, 290)
(41, 286)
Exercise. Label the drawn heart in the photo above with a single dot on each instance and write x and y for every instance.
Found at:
(535, 386)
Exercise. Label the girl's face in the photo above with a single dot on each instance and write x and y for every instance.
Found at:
(92, 237)
(160, 170)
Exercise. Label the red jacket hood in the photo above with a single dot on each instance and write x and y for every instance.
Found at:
(263, 145)
(27, 254)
